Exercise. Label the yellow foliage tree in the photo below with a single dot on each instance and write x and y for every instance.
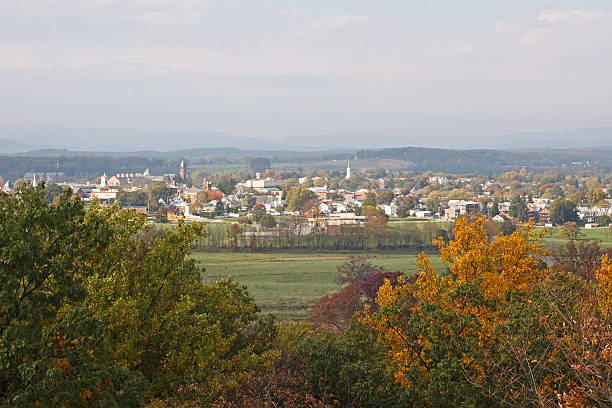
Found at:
(604, 286)
(506, 263)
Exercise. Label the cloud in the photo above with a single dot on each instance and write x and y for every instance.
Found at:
(573, 16)
(536, 36)
(337, 21)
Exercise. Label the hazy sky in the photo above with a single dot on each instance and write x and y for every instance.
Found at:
(382, 72)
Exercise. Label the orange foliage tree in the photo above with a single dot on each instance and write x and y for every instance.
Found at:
(433, 339)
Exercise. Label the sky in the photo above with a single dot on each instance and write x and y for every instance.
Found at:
(359, 73)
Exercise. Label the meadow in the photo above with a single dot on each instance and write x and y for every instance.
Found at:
(554, 239)
(288, 284)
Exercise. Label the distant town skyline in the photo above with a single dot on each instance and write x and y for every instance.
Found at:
(317, 73)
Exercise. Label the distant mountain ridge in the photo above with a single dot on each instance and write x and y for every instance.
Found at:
(130, 140)
(9, 147)
(90, 140)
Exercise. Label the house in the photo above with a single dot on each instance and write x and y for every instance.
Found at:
(498, 218)
(270, 202)
(190, 194)
(332, 207)
(178, 204)
(461, 207)
(260, 184)
(389, 209)
(438, 180)
(543, 216)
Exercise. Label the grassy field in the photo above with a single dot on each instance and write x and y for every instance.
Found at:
(287, 284)
(553, 239)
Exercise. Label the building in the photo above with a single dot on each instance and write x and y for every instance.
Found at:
(348, 170)
(267, 185)
(183, 171)
(461, 207)
(104, 195)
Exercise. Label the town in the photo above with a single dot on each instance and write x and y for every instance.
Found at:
(336, 202)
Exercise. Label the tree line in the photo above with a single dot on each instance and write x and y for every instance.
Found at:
(293, 233)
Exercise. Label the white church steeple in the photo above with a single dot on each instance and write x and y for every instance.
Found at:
(348, 170)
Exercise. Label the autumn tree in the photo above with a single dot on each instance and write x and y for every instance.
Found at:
(595, 195)
(580, 258)
(161, 215)
(337, 309)
(569, 230)
(433, 201)
(376, 225)
(357, 270)
(458, 194)
(298, 197)
(236, 231)
(435, 340)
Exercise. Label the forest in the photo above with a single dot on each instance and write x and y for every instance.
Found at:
(97, 309)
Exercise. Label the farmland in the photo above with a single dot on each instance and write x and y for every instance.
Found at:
(286, 283)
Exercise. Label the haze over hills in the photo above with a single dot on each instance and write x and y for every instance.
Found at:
(129, 140)
(9, 147)
(47, 141)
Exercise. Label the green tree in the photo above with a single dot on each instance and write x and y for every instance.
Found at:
(384, 197)
(518, 208)
(226, 185)
(604, 220)
(563, 210)
(403, 211)
(268, 221)
(99, 311)
(493, 209)
(157, 190)
(219, 208)
(410, 201)
(553, 192)
(370, 199)
(132, 198)
(52, 191)
(54, 351)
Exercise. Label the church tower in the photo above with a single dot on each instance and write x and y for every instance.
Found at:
(348, 170)
(183, 171)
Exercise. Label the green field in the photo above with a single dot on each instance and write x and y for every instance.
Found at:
(287, 284)
(552, 239)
